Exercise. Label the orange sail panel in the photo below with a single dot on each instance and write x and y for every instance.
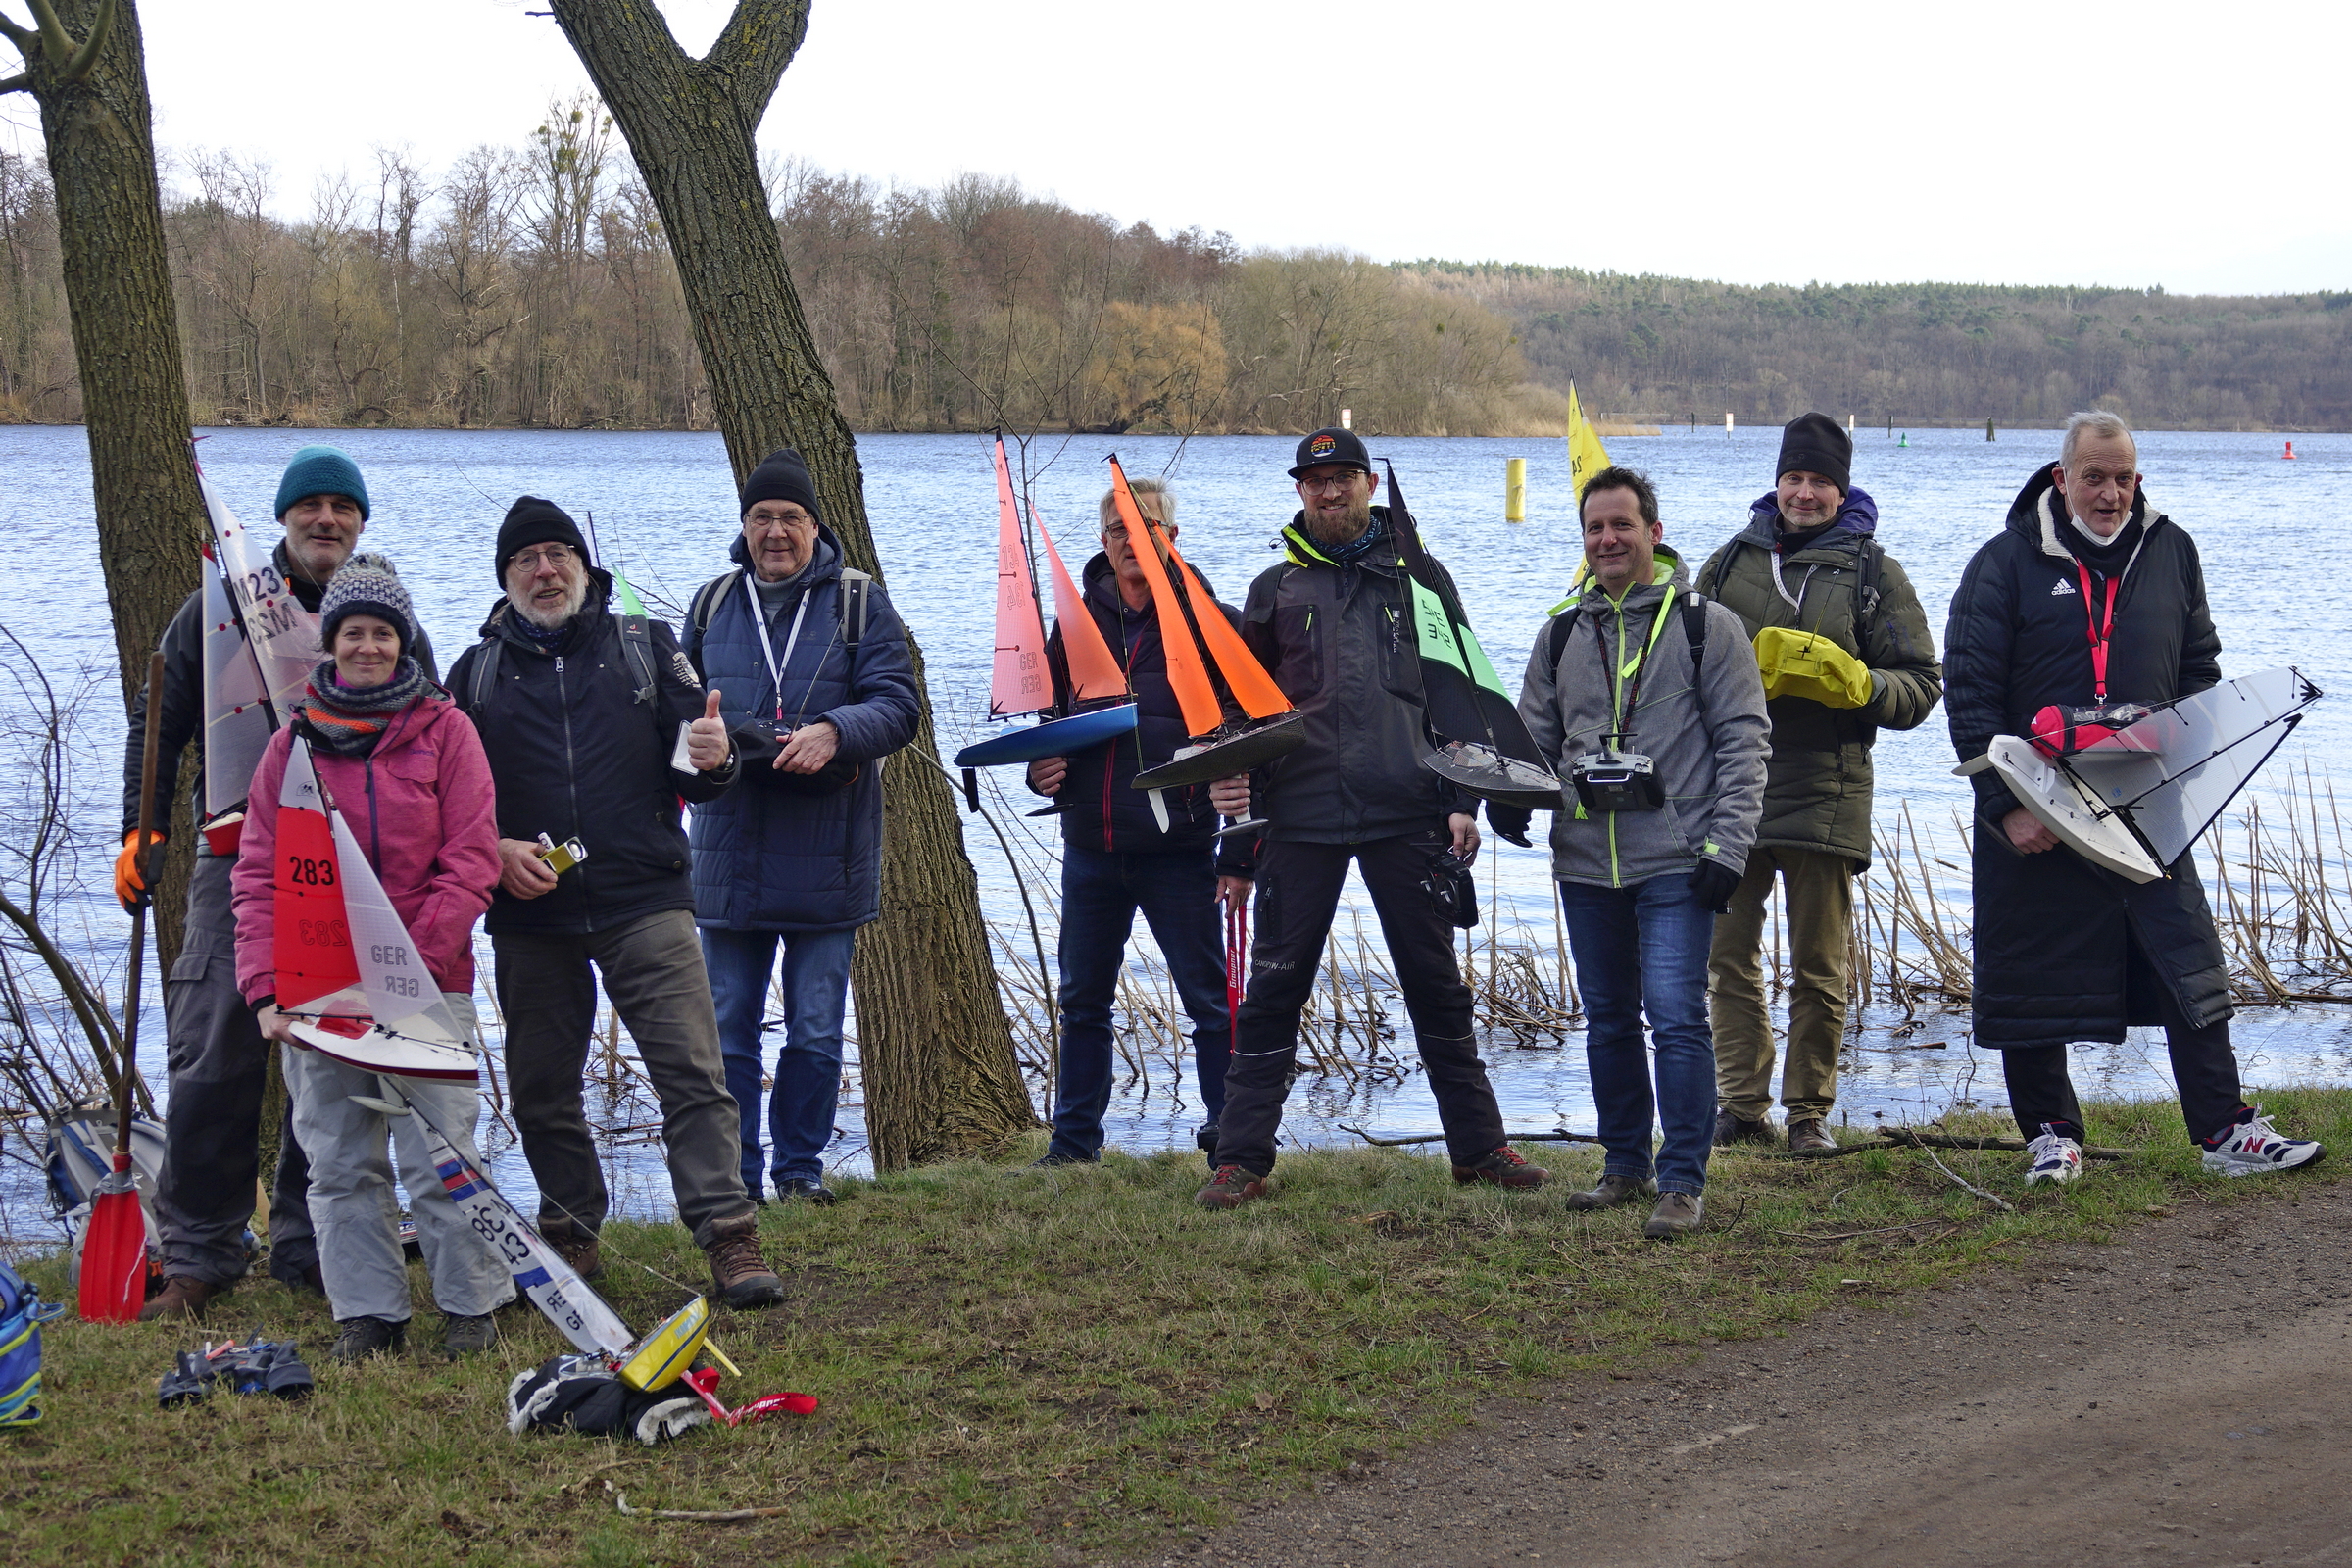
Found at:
(1187, 673)
(1021, 683)
(1093, 672)
(1252, 686)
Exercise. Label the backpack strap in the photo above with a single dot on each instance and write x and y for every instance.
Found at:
(1867, 563)
(706, 597)
(855, 587)
(1695, 628)
(637, 649)
(485, 677)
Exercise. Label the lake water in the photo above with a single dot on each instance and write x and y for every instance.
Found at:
(2273, 534)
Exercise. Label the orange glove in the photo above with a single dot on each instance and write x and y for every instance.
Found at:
(131, 884)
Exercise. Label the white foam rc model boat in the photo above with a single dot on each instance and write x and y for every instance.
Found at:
(2130, 787)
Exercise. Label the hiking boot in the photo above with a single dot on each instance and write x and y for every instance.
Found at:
(739, 1276)
(1676, 1215)
(1613, 1190)
(182, 1296)
(801, 1190)
(1808, 1136)
(1052, 1162)
(1230, 1188)
(574, 1245)
(363, 1337)
(189, 1380)
(2053, 1158)
(1505, 1167)
(466, 1336)
(1731, 1129)
(2254, 1146)
(1205, 1140)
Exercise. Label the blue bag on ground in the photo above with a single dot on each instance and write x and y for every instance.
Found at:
(21, 1315)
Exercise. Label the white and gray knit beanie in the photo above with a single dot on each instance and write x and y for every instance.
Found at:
(368, 584)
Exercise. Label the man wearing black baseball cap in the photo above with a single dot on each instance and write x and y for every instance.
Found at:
(1327, 622)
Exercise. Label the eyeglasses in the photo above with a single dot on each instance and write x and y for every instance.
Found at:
(1339, 481)
(780, 519)
(1118, 530)
(556, 555)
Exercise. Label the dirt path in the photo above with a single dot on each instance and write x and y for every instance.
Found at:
(2182, 1396)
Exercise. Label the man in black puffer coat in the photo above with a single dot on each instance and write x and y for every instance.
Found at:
(2088, 595)
(1123, 849)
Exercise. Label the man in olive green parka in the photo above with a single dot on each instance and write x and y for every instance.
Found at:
(1845, 652)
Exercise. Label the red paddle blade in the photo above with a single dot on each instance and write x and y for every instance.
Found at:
(113, 1251)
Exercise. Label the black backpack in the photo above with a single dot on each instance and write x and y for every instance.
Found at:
(1867, 596)
(636, 646)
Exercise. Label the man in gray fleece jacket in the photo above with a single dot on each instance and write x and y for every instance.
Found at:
(1624, 668)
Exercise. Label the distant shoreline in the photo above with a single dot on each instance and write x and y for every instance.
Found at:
(1610, 430)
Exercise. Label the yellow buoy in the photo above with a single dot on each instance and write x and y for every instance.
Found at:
(1514, 489)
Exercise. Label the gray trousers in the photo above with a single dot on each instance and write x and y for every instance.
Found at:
(217, 1063)
(352, 1203)
(653, 971)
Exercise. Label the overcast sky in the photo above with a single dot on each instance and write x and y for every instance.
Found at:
(1997, 142)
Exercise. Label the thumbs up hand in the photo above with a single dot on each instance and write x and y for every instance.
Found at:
(707, 737)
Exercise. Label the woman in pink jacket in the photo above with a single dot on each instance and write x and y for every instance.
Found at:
(406, 769)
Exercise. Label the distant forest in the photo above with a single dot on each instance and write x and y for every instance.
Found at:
(531, 287)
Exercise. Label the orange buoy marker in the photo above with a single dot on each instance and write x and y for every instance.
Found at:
(2290, 452)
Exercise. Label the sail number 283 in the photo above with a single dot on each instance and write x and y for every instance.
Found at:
(304, 871)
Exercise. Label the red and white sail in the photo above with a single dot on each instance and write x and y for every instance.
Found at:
(260, 647)
(1021, 682)
(346, 968)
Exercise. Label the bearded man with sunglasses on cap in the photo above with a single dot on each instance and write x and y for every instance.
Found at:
(1333, 624)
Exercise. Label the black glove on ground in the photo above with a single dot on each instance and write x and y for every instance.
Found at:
(1712, 885)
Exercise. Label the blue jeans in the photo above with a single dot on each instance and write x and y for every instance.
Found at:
(808, 1086)
(1101, 892)
(1644, 949)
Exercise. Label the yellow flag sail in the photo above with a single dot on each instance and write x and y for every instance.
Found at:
(1587, 456)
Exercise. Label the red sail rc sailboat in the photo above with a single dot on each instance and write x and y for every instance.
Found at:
(1022, 684)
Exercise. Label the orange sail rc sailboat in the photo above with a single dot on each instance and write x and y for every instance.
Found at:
(1022, 683)
(1236, 716)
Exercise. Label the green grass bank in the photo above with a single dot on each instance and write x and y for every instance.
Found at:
(1030, 1366)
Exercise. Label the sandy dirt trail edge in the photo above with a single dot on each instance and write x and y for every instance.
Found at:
(2182, 1395)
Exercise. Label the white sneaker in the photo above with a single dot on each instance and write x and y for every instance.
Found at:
(2256, 1147)
(2054, 1157)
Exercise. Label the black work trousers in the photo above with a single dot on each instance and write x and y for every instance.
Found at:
(1298, 895)
(2204, 1067)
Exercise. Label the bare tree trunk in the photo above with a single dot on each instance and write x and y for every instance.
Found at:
(933, 1040)
(101, 148)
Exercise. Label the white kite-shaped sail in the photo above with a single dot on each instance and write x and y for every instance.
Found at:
(346, 969)
(2135, 800)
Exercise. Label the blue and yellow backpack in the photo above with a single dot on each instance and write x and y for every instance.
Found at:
(21, 1315)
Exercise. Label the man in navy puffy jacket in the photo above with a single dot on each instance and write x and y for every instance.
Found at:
(1123, 849)
(816, 688)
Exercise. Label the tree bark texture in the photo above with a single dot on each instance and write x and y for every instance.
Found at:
(934, 1044)
(101, 147)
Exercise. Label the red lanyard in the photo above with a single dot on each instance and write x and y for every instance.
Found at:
(2100, 630)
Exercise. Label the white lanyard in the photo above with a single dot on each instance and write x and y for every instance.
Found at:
(1797, 601)
(775, 669)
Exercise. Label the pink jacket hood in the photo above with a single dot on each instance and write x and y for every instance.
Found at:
(425, 812)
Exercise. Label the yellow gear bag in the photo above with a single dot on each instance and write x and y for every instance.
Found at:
(1803, 663)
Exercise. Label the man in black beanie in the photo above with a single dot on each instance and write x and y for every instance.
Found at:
(595, 727)
(1846, 650)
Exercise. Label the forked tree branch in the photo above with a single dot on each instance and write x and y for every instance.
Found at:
(71, 62)
(757, 44)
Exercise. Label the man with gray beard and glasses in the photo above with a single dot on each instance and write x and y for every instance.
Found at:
(596, 726)
(1333, 624)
